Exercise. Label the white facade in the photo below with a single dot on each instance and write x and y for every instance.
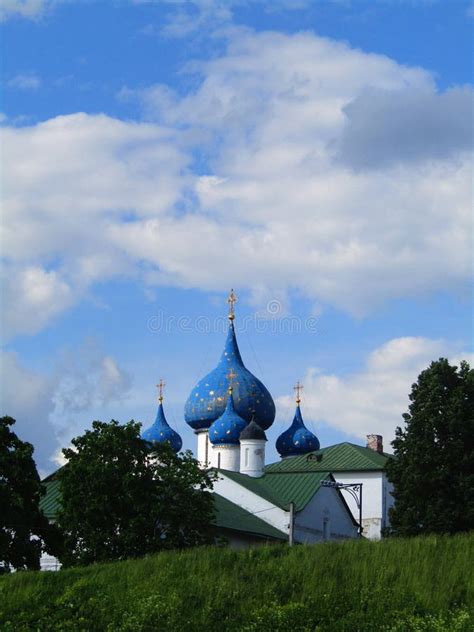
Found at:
(252, 502)
(226, 457)
(325, 517)
(252, 457)
(376, 500)
(376, 489)
(49, 563)
(203, 448)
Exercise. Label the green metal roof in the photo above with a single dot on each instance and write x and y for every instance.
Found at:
(228, 515)
(342, 457)
(51, 501)
(231, 516)
(281, 488)
(295, 479)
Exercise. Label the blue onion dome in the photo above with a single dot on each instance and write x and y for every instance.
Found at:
(160, 431)
(226, 429)
(297, 439)
(208, 398)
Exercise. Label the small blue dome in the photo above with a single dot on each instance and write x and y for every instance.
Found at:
(208, 398)
(160, 432)
(227, 428)
(297, 439)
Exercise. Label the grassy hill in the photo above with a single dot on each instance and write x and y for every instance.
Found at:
(422, 584)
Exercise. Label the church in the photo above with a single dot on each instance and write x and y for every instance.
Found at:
(311, 494)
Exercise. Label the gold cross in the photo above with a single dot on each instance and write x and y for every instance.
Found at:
(232, 299)
(231, 376)
(298, 388)
(160, 386)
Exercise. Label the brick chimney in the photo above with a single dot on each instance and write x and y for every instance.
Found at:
(375, 442)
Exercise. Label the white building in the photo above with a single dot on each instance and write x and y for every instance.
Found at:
(351, 464)
(295, 504)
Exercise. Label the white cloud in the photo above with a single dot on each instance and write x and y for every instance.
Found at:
(278, 208)
(191, 17)
(186, 17)
(32, 297)
(27, 397)
(88, 378)
(22, 8)
(25, 82)
(53, 407)
(373, 399)
(66, 182)
(405, 126)
(30, 9)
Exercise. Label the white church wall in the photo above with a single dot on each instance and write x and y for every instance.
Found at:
(253, 503)
(49, 563)
(226, 457)
(376, 500)
(204, 449)
(324, 518)
(252, 457)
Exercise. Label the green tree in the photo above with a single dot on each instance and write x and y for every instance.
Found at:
(433, 468)
(24, 530)
(119, 499)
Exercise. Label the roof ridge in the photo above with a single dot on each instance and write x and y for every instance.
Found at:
(53, 475)
(240, 508)
(253, 484)
(344, 456)
(249, 521)
(367, 451)
(298, 487)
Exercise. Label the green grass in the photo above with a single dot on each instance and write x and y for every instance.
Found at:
(423, 584)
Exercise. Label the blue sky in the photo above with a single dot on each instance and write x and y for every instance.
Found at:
(313, 155)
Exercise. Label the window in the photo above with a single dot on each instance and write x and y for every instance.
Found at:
(326, 528)
(246, 457)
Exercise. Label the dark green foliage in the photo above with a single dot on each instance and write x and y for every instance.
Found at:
(119, 500)
(433, 472)
(421, 584)
(24, 531)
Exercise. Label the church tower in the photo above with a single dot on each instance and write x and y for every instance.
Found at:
(209, 398)
(224, 435)
(252, 450)
(160, 431)
(297, 439)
